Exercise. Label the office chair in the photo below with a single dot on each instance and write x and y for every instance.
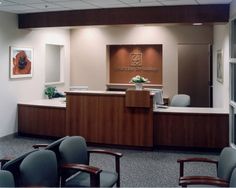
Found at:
(13, 167)
(39, 169)
(225, 166)
(75, 157)
(6, 179)
(180, 100)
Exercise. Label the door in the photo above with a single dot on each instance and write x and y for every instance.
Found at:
(195, 73)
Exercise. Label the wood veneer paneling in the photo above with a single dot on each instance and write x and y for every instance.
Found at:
(191, 130)
(104, 119)
(43, 121)
(136, 98)
(135, 15)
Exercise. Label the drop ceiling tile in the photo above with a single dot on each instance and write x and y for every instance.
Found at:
(15, 8)
(214, 1)
(44, 6)
(76, 5)
(26, 1)
(5, 3)
(138, 1)
(102, 3)
(145, 4)
(178, 2)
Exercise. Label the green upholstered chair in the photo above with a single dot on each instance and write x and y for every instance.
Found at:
(75, 157)
(13, 167)
(180, 100)
(6, 179)
(39, 169)
(232, 182)
(225, 166)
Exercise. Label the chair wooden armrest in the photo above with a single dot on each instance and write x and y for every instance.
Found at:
(93, 171)
(36, 146)
(101, 151)
(5, 160)
(117, 159)
(204, 160)
(202, 180)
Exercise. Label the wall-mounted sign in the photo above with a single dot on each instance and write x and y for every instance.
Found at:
(127, 61)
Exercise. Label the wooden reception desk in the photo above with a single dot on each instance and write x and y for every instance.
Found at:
(124, 119)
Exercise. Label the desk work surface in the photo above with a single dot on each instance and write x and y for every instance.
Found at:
(196, 110)
(57, 102)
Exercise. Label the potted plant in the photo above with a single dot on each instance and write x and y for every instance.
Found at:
(139, 81)
(50, 91)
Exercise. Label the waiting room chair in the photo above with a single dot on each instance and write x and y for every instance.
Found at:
(180, 100)
(75, 155)
(6, 179)
(13, 166)
(225, 166)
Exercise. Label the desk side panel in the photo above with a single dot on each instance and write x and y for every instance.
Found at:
(43, 121)
(191, 130)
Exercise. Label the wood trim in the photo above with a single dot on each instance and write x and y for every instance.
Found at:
(134, 15)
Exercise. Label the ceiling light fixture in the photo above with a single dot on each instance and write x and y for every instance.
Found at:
(197, 24)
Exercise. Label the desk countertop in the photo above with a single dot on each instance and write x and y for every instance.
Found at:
(57, 102)
(194, 110)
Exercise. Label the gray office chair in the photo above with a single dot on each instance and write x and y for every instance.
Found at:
(6, 179)
(39, 169)
(180, 100)
(225, 166)
(75, 157)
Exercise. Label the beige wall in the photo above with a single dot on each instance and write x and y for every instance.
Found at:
(88, 50)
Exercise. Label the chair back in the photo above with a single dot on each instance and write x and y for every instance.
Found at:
(227, 163)
(180, 100)
(232, 182)
(6, 179)
(13, 167)
(73, 150)
(39, 169)
(54, 146)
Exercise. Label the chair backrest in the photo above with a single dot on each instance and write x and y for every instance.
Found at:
(227, 163)
(180, 100)
(39, 169)
(6, 179)
(13, 166)
(73, 150)
(54, 146)
(232, 182)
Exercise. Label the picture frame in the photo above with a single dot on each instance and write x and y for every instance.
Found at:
(21, 62)
(220, 66)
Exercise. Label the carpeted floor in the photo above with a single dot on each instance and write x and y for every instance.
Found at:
(138, 168)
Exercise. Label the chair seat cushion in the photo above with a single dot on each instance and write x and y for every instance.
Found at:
(107, 179)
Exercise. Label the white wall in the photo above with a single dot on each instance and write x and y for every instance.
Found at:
(14, 90)
(88, 50)
(221, 90)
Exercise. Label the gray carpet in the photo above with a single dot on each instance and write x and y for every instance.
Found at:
(138, 168)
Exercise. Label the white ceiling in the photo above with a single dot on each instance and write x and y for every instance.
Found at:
(30, 6)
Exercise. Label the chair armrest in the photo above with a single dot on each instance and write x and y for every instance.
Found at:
(202, 180)
(117, 160)
(36, 146)
(93, 171)
(204, 160)
(101, 151)
(5, 160)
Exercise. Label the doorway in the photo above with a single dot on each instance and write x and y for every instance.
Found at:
(195, 73)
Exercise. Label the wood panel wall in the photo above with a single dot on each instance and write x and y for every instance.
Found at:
(134, 15)
(104, 119)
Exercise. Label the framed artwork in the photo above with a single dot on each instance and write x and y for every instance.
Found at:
(220, 66)
(21, 62)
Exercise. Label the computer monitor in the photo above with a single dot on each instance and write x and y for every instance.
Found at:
(158, 97)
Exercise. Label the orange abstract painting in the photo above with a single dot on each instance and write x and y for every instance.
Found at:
(21, 62)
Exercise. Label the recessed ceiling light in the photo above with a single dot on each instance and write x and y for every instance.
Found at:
(197, 24)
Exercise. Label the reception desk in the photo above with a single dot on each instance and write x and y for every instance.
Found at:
(124, 119)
